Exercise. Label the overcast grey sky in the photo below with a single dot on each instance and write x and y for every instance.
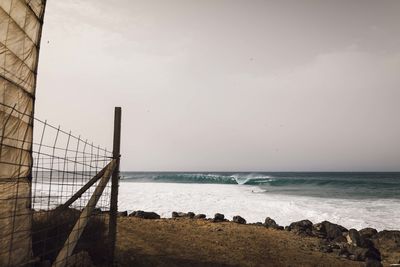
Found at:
(228, 85)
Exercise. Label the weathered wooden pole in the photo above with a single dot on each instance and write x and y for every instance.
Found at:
(114, 183)
(80, 225)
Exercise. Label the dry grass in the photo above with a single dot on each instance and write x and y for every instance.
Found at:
(187, 242)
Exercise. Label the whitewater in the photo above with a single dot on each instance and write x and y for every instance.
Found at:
(354, 200)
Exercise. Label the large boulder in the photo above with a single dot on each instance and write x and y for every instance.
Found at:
(270, 223)
(354, 238)
(199, 216)
(183, 215)
(239, 220)
(218, 217)
(360, 254)
(387, 240)
(328, 230)
(388, 243)
(339, 240)
(145, 214)
(122, 213)
(303, 227)
(368, 232)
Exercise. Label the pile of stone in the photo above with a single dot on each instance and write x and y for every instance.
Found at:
(145, 215)
(363, 245)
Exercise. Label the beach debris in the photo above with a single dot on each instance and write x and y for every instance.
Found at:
(145, 215)
(270, 223)
(199, 216)
(218, 217)
(183, 215)
(238, 219)
(303, 227)
(328, 230)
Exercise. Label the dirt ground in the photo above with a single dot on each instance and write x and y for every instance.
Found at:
(188, 242)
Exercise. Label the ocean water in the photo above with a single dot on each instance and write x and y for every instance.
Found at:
(354, 200)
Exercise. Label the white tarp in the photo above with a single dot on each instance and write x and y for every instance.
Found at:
(20, 30)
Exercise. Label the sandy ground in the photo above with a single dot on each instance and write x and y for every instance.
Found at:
(188, 242)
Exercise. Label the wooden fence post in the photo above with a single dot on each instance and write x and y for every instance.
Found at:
(81, 223)
(114, 183)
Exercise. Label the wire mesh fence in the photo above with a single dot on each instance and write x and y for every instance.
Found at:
(70, 195)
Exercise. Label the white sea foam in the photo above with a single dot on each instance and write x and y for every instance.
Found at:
(254, 205)
(244, 179)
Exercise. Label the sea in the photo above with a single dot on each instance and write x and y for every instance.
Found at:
(352, 199)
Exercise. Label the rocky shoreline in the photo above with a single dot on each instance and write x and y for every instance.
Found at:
(365, 245)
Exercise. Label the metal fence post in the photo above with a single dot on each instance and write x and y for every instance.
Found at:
(114, 183)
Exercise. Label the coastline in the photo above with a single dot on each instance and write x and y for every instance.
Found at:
(251, 202)
(145, 239)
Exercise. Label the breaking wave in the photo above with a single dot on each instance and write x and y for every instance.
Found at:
(200, 178)
(263, 179)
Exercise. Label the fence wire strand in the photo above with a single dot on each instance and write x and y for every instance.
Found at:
(62, 164)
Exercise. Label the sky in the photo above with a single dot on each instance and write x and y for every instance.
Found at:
(217, 85)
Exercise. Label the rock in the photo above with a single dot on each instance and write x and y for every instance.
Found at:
(218, 217)
(359, 254)
(387, 240)
(343, 252)
(200, 216)
(328, 230)
(238, 219)
(182, 215)
(176, 214)
(145, 215)
(122, 214)
(366, 243)
(368, 232)
(326, 249)
(339, 240)
(270, 223)
(354, 238)
(362, 254)
(303, 227)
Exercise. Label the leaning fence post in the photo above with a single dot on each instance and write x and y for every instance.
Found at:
(114, 183)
